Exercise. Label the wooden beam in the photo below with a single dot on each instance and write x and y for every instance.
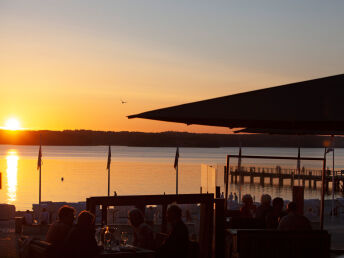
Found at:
(219, 228)
(104, 215)
(206, 230)
(137, 200)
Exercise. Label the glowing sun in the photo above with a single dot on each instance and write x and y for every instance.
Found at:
(12, 124)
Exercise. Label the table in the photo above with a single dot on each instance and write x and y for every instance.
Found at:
(139, 253)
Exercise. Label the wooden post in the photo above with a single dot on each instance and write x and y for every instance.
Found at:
(205, 232)
(298, 198)
(219, 228)
(218, 192)
(280, 181)
(322, 194)
(104, 215)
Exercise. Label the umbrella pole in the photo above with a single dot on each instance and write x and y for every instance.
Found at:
(333, 174)
(322, 194)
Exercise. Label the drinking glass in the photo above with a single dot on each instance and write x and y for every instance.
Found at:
(107, 238)
(124, 238)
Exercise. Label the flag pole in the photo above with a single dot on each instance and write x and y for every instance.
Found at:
(177, 179)
(40, 186)
(39, 165)
(109, 182)
(108, 168)
(176, 164)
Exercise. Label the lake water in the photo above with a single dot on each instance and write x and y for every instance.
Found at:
(134, 170)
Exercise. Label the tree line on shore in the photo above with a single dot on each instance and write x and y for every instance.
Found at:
(163, 139)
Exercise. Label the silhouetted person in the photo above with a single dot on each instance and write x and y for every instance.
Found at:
(80, 241)
(294, 221)
(264, 208)
(58, 230)
(177, 243)
(247, 210)
(235, 198)
(230, 197)
(28, 219)
(143, 233)
(274, 216)
(44, 217)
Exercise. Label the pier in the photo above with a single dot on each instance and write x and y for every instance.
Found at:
(307, 177)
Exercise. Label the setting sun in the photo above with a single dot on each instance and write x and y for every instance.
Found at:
(12, 124)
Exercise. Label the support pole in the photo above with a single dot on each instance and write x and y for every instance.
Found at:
(227, 177)
(322, 194)
(177, 179)
(109, 181)
(333, 184)
(40, 186)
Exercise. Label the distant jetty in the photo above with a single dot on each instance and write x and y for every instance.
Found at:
(311, 176)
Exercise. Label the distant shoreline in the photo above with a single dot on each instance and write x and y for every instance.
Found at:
(162, 139)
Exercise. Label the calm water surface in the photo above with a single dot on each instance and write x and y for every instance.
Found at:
(134, 170)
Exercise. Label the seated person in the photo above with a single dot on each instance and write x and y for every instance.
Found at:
(58, 230)
(264, 208)
(177, 243)
(248, 209)
(275, 215)
(143, 233)
(80, 241)
(28, 219)
(44, 217)
(294, 221)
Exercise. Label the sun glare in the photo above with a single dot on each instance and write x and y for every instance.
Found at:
(12, 124)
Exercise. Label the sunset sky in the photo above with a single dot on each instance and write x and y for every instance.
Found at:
(67, 64)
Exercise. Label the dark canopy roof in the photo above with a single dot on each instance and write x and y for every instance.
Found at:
(314, 106)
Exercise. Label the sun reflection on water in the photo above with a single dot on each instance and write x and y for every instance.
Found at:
(11, 173)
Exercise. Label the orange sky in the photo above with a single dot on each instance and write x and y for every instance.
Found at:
(66, 66)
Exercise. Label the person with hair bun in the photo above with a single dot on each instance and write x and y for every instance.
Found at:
(143, 233)
(81, 242)
(59, 229)
(177, 243)
(294, 221)
(248, 209)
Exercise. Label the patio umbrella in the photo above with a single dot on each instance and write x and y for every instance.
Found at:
(307, 107)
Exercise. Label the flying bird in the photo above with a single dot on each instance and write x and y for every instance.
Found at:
(123, 102)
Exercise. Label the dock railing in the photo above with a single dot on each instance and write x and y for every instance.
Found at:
(298, 159)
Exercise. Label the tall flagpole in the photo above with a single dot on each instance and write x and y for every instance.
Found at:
(176, 167)
(177, 179)
(108, 168)
(39, 166)
(40, 185)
